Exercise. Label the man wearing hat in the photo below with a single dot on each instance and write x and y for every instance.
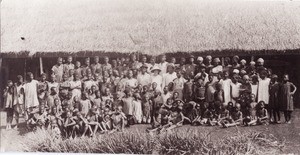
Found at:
(260, 65)
(156, 77)
(199, 64)
(190, 67)
(144, 78)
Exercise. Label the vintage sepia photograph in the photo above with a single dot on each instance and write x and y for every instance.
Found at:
(150, 76)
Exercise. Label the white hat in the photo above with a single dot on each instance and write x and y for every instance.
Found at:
(236, 71)
(260, 60)
(243, 61)
(252, 63)
(199, 59)
(155, 68)
(209, 57)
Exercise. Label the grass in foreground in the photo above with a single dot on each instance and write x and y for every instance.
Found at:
(136, 142)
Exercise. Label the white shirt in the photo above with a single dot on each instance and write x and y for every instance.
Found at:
(263, 90)
(167, 78)
(144, 79)
(158, 80)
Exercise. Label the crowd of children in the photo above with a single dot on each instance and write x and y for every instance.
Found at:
(79, 100)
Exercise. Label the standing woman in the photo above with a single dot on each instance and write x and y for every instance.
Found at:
(157, 78)
(287, 97)
(31, 96)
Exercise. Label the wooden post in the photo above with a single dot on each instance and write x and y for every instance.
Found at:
(41, 65)
(25, 70)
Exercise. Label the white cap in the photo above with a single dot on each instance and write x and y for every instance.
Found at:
(260, 60)
(236, 71)
(199, 59)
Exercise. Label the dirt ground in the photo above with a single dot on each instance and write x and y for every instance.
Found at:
(10, 139)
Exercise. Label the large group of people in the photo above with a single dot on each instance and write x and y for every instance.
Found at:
(80, 100)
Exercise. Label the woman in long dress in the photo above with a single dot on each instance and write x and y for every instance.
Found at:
(263, 88)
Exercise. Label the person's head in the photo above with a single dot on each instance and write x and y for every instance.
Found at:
(208, 59)
(252, 64)
(170, 68)
(155, 70)
(96, 59)
(254, 79)
(76, 77)
(226, 74)
(274, 78)
(227, 61)
(286, 78)
(230, 105)
(107, 91)
(133, 57)
(59, 60)
(175, 95)
(65, 77)
(144, 69)
(235, 78)
(145, 88)
(154, 85)
(87, 61)
(119, 109)
(93, 88)
(70, 94)
(235, 59)
(253, 97)
(77, 64)
(152, 60)
(106, 59)
(30, 76)
(216, 61)
(128, 92)
(76, 99)
(137, 96)
(178, 74)
(165, 89)
(210, 77)
(84, 95)
(130, 74)
(20, 78)
(163, 58)
(9, 83)
(144, 59)
(200, 60)
(114, 63)
(260, 61)
(182, 60)
(261, 104)
(237, 107)
(90, 76)
(243, 62)
(263, 74)
(191, 59)
(69, 59)
(146, 97)
(56, 101)
(201, 82)
(42, 108)
(246, 79)
(43, 77)
(171, 86)
(173, 60)
(53, 90)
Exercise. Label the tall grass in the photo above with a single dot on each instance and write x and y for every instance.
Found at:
(135, 142)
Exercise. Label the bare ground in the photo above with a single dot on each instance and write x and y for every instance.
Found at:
(11, 140)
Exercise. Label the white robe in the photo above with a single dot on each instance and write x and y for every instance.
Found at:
(263, 90)
(31, 97)
(226, 89)
(158, 80)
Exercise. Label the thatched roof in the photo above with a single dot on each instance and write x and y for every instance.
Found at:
(148, 26)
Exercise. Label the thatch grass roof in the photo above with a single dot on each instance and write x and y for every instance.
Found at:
(148, 26)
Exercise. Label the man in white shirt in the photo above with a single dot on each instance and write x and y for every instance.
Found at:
(163, 65)
(144, 78)
(169, 76)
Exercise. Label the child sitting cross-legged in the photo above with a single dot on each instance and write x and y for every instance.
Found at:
(236, 117)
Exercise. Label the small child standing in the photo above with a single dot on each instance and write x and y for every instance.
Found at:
(146, 106)
(287, 97)
(262, 113)
(85, 104)
(137, 108)
(9, 101)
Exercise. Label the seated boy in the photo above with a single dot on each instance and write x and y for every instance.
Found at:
(236, 117)
(118, 120)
